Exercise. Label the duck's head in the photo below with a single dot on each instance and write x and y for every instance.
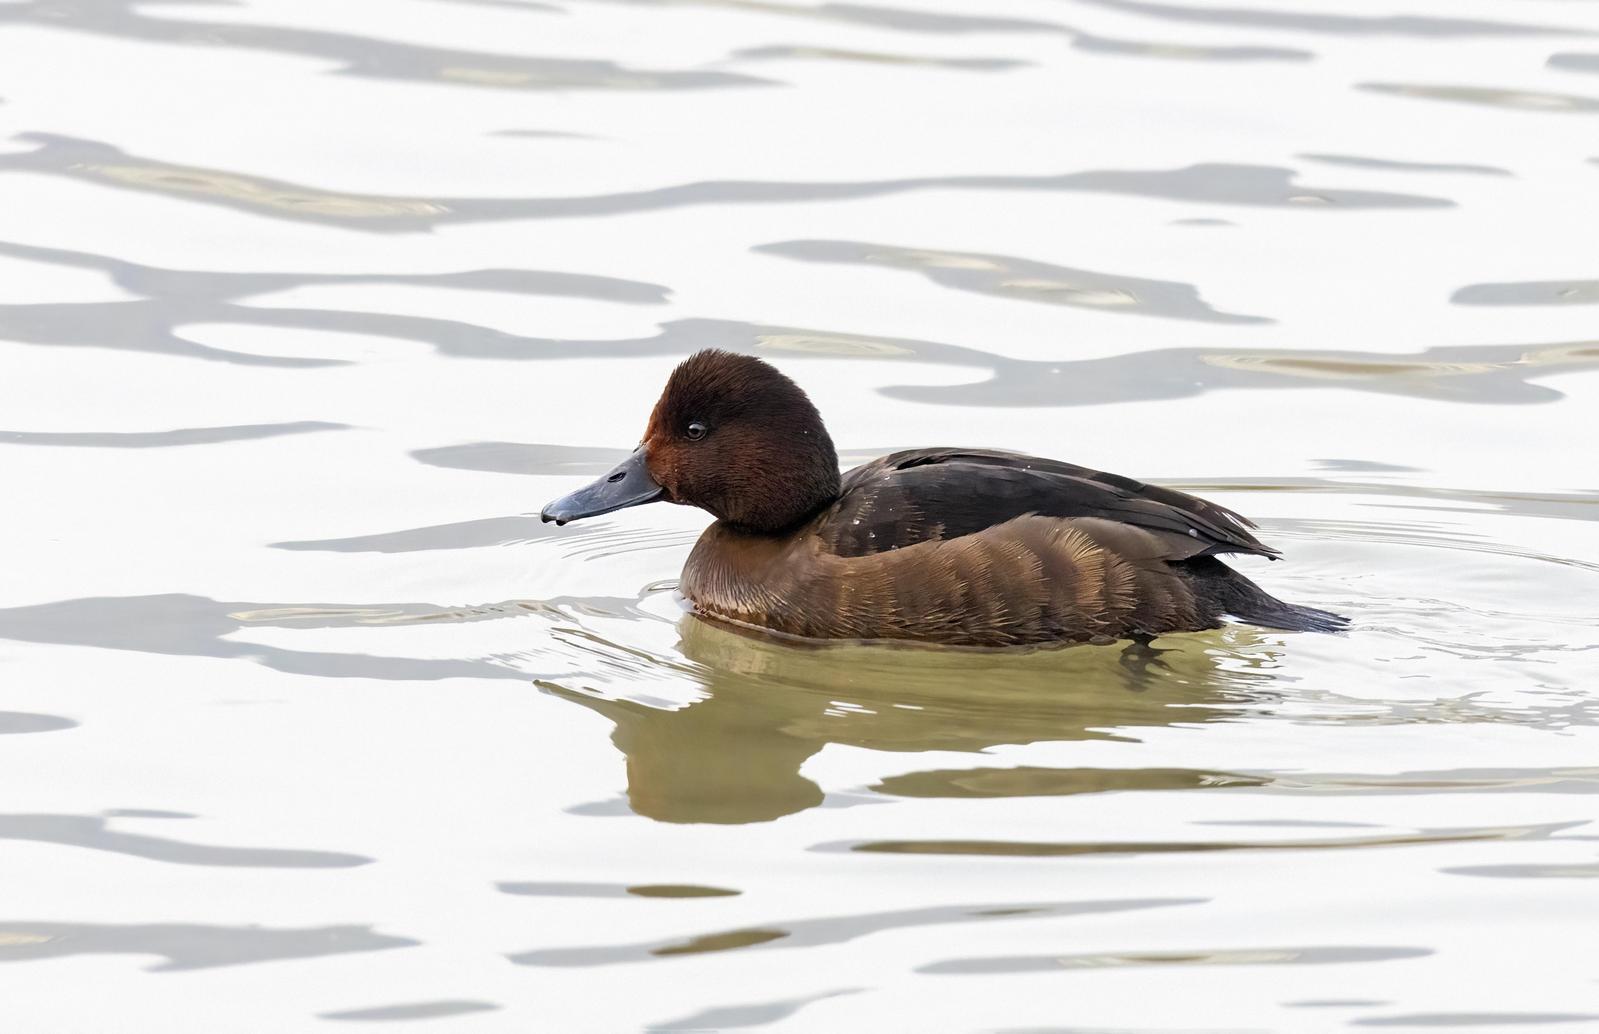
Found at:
(730, 435)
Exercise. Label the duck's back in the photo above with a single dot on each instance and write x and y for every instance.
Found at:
(983, 548)
(921, 494)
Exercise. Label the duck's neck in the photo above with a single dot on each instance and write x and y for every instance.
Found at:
(783, 509)
(777, 493)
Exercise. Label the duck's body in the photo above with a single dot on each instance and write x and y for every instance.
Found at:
(972, 547)
(964, 547)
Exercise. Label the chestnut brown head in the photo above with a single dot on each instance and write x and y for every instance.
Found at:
(730, 435)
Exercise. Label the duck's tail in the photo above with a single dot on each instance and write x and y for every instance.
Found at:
(1241, 598)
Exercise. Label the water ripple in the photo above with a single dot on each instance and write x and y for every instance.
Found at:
(22, 722)
(1022, 279)
(809, 933)
(187, 946)
(1072, 849)
(364, 56)
(1516, 100)
(91, 831)
(1317, 955)
(165, 439)
(1214, 183)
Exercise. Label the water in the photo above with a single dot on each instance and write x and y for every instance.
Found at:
(305, 720)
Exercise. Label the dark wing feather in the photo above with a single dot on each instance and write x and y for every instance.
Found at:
(924, 494)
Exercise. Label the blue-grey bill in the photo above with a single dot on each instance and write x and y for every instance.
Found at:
(629, 484)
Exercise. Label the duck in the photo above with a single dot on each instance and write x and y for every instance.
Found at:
(960, 547)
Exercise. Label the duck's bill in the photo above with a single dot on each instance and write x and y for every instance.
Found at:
(629, 484)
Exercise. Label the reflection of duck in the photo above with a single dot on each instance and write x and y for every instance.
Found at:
(735, 756)
(968, 547)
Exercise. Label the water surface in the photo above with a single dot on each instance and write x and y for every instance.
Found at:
(307, 723)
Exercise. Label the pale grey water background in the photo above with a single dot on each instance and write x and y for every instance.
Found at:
(306, 724)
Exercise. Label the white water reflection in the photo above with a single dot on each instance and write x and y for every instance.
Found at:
(308, 308)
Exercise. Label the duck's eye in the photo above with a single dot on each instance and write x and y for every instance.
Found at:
(695, 431)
